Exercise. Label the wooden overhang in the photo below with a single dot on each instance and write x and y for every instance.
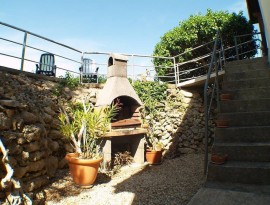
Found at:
(253, 10)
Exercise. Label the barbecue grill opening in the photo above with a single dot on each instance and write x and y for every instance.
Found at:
(128, 112)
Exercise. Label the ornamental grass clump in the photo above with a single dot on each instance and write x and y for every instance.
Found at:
(84, 125)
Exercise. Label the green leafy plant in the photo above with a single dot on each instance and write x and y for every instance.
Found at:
(196, 31)
(151, 93)
(84, 125)
(102, 79)
(68, 81)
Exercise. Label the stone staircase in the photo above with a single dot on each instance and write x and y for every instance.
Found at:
(247, 139)
(246, 174)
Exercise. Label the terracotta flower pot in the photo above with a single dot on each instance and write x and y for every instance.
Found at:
(219, 158)
(153, 157)
(225, 96)
(83, 171)
(222, 123)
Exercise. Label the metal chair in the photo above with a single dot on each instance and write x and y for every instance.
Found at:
(88, 75)
(46, 65)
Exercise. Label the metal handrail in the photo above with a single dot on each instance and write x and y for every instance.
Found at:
(215, 63)
(39, 36)
(24, 46)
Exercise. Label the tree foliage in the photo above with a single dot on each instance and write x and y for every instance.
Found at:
(197, 30)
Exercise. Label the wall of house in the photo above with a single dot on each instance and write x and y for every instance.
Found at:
(265, 9)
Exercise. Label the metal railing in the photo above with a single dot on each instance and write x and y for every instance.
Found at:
(79, 60)
(238, 45)
(132, 64)
(196, 65)
(25, 46)
(216, 64)
(178, 74)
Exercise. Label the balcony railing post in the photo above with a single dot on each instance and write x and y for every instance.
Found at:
(23, 50)
(236, 47)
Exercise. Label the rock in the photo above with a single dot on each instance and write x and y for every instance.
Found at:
(55, 134)
(62, 164)
(25, 155)
(32, 132)
(5, 122)
(28, 117)
(169, 128)
(13, 162)
(10, 103)
(14, 149)
(53, 145)
(34, 184)
(19, 172)
(186, 94)
(166, 136)
(51, 166)
(10, 112)
(47, 118)
(35, 156)
(36, 166)
(49, 111)
(32, 147)
(55, 123)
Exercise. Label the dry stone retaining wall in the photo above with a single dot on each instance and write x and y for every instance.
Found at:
(29, 127)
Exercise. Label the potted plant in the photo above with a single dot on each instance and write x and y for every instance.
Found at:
(218, 158)
(154, 150)
(222, 123)
(225, 96)
(83, 125)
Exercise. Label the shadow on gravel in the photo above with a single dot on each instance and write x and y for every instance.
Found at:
(63, 186)
(173, 182)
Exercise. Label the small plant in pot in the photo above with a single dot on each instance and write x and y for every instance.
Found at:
(84, 126)
(218, 157)
(154, 150)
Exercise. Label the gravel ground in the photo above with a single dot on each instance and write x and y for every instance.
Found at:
(173, 182)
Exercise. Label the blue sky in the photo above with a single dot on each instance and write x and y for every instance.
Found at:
(124, 26)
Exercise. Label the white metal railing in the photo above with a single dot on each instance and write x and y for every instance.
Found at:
(133, 65)
(137, 68)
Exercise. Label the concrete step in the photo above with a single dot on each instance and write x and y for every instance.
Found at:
(253, 188)
(243, 119)
(243, 75)
(254, 152)
(248, 64)
(217, 196)
(251, 93)
(253, 105)
(242, 134)
(240, 172)
(244, 84)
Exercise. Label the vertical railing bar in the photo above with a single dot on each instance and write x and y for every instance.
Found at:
(23, 50)
(206, 104)
(236, 47)
(175, 71)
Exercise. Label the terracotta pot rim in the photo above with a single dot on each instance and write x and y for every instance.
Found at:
(73, 159)
(154, 151)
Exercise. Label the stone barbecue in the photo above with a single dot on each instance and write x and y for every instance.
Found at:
(126, 133)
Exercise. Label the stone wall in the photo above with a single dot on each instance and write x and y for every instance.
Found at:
(179, 124)
(29, 126)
